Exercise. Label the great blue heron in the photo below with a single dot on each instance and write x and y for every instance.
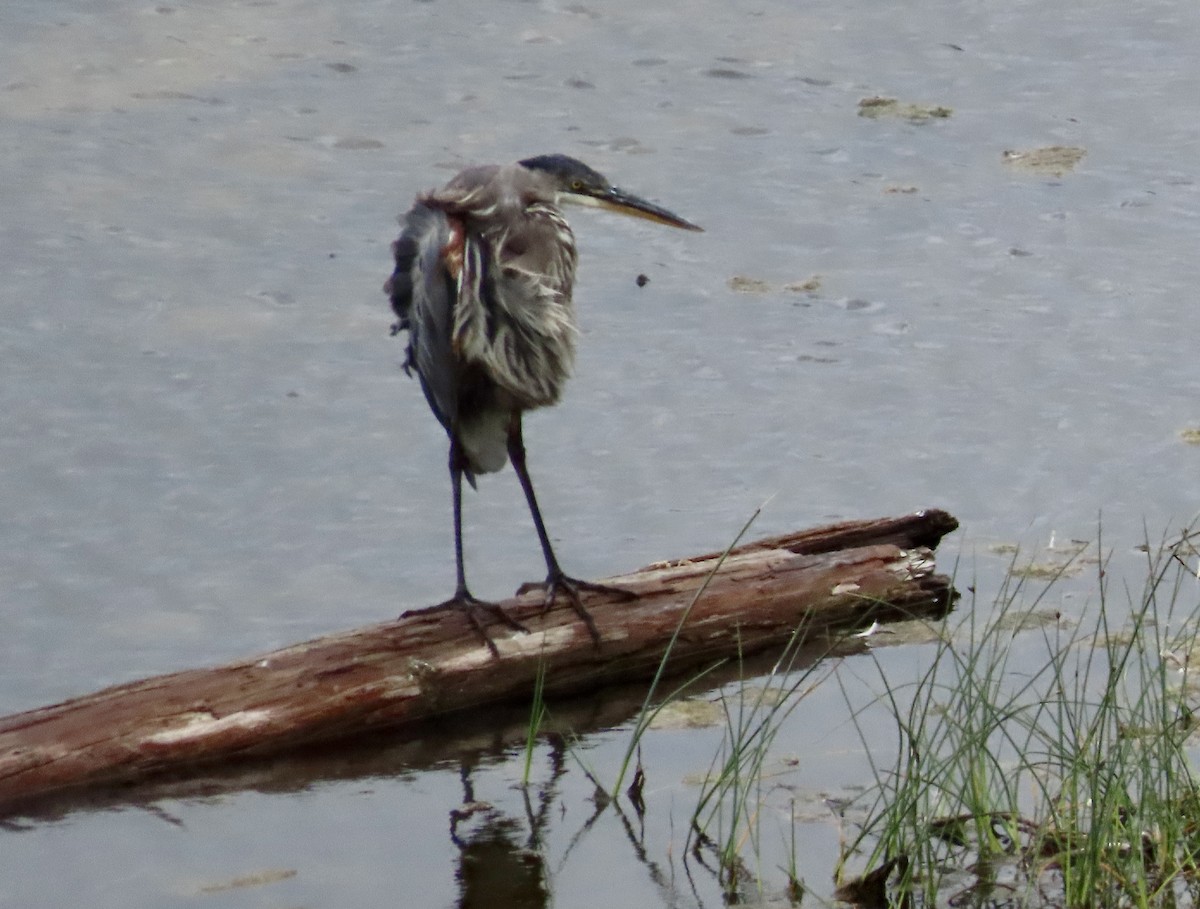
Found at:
(484, 273)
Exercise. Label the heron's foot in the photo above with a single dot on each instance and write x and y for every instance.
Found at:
(472, 606)
(557, 583)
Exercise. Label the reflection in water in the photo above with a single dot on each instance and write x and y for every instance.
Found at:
(495, 868)
(499, 868)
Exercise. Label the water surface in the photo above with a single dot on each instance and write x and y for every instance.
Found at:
(210, 450)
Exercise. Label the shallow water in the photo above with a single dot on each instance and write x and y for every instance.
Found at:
(210, 449)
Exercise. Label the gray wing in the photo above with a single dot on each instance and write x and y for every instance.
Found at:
(423, 295)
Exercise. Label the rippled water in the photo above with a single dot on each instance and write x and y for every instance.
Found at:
(209, 449)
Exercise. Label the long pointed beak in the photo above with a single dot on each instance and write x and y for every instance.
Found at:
(623, 203)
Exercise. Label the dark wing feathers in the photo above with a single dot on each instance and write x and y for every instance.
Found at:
(482, 284)
(423, 295)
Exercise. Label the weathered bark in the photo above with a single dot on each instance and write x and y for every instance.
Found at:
(430, 663)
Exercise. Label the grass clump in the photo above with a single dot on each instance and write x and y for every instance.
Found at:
(725, 825)
(1069, 784)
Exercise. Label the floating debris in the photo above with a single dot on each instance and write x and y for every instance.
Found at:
(811, 286)
(269, 876)
(745, 285)
(1191, 435)
(877, 107)
(1049, 570)
(688, 714)
(1054, 160)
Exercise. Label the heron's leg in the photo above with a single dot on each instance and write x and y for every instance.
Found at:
(462, 596)
(456, 472)
(556, 579)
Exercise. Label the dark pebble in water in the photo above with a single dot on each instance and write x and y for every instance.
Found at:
(342, 67)
(642, 280)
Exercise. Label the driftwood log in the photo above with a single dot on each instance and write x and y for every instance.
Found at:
(430, 663)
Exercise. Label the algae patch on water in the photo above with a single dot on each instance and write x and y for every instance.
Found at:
(1054, 160)
(877, 107)
(744, 284)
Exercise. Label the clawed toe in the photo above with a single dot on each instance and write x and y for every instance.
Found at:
(570, 586)
(472, 606)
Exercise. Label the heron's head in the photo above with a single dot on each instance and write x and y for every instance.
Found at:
(575, 182)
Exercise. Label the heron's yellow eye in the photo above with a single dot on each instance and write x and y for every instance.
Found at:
(576, 185)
